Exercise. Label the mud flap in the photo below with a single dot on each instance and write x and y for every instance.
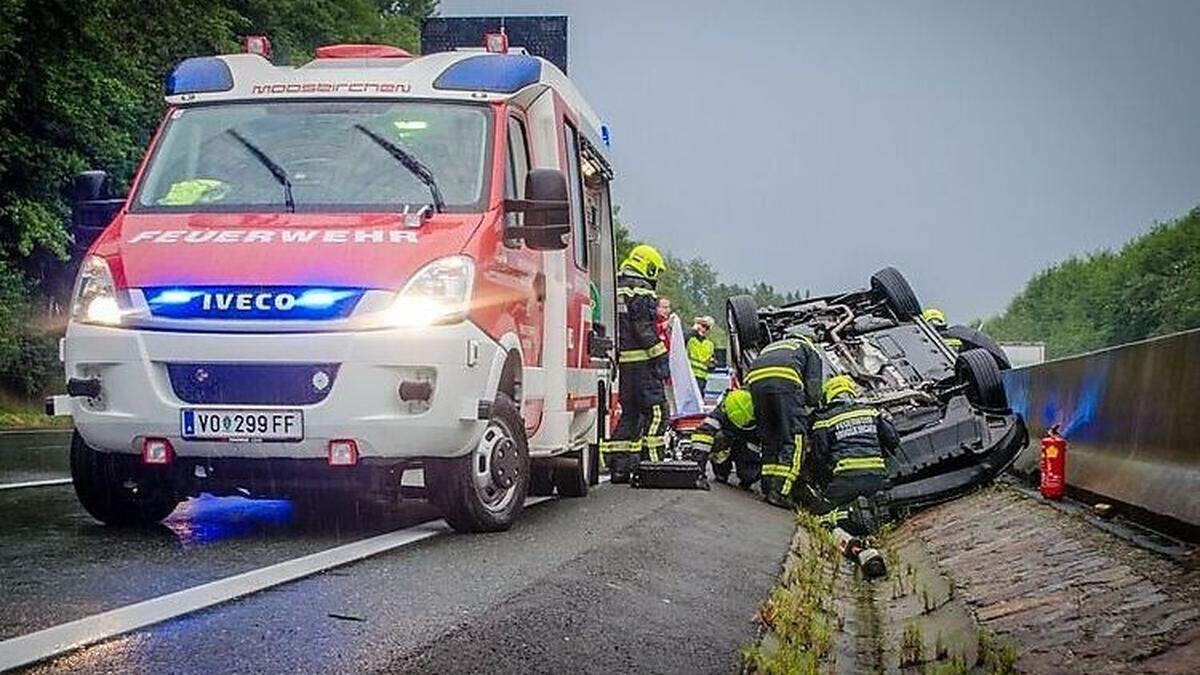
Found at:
(671, 474)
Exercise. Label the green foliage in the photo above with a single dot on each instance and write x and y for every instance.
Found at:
(81, 88)
(695, 288)
(1150, 287)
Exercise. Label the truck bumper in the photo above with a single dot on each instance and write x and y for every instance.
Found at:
(139, 398)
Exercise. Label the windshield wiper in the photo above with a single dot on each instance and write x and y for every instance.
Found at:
(414, 165)
(276, 170)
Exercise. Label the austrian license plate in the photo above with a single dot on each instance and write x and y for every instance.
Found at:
(242, 425)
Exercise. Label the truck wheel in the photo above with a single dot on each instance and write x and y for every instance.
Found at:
(978, 369)
(574, 478)
(973, 339)
(111, 489)
(745, 333)
(894, 288)
(485, 490)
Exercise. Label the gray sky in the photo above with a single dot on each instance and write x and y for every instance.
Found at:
(969, 144)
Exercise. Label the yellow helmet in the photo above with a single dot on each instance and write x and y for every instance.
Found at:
(646, 261)
(837, 385)
(935, 317)
(739, 408)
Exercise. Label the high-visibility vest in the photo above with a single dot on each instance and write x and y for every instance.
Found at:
(700, 352)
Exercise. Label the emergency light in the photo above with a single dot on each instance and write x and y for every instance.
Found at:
(497, 73)
(198, 75)
(257, 44)
(496, 43)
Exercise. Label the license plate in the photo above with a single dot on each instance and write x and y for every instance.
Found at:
(242, 425)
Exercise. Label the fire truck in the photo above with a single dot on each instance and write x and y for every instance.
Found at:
(324, 277)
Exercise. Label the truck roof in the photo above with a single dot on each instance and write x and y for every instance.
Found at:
(377, 71)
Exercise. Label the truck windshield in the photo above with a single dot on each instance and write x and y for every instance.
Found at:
(318, 157)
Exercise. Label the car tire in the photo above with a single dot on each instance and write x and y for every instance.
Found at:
(973, 339)
(978, 369)
(484, 491)
(745, 330)
(895, 289)
(100, 481)
(573, 478)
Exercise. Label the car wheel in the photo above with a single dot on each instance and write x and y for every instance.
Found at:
(973, 339)
(573, 478)
(894, 288)
(112, 488)
(978, 369)
(745, 331)
(484, 491)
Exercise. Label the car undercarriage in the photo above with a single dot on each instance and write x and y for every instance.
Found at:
(950, 408)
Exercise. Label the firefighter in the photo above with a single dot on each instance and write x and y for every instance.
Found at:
(848, 440)
(783, 380)
(727, 437)
(937, 318)
(700, 349)
(642, 366)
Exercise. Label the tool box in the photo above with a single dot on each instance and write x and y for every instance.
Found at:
(677, 470)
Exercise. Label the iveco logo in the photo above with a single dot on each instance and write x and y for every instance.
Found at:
(246, 302)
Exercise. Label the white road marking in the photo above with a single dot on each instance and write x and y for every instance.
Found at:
(43, 644)
(35, 483)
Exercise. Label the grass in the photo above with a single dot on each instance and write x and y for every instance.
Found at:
(799, 612)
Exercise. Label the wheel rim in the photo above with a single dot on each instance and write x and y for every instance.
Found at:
(496, 468)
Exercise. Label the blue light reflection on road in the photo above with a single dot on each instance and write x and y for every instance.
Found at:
(207, 519)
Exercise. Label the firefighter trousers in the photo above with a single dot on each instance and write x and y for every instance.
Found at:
(837, 504)
(730, 455)
(639, 431)
(779, 407)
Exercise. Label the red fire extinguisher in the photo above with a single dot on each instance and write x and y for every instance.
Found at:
(1054, 464)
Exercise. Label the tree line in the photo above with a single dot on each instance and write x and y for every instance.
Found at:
(81, 88)
(1149, 287)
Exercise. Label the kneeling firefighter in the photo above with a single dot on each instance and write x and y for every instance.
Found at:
(642, 366)
(848, 440)
(783, 380)
(725, 438)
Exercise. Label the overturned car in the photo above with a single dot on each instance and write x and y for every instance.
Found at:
(957, 430)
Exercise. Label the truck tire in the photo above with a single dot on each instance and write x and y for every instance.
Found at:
(100, 484)
(978, 369)
(484, 491)
(894, 288)
(574, 478)
(745, 331)
(973, 339)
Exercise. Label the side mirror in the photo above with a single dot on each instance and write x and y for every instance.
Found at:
(93, 207)
(547, 211)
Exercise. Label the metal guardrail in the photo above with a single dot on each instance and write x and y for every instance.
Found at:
(1131, 415)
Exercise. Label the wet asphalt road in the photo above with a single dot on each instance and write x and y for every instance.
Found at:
(623, 581)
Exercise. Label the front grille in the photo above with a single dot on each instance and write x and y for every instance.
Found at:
(252, 383)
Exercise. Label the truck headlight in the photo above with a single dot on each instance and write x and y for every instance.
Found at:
(95, 299)
(438, 293)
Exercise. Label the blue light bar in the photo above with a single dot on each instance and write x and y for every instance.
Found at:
(263, 303)
(497, 73)
(199, 75)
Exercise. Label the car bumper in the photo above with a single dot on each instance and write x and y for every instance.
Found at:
(138, 400)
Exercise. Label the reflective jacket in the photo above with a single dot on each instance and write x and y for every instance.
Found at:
(700, 351)
(637, 306)
(792, 360)
(848, 437)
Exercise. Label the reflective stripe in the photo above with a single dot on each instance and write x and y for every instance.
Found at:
(699, 368)
(797, 460)
(845, 417)
(780, 470)
(633, 290)
(608, 447)
(720, 457)
(639, 355)
(698, 437)
(833, 517)
(859, 464)
(954, 342)
(769, 372)
(654, 440)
